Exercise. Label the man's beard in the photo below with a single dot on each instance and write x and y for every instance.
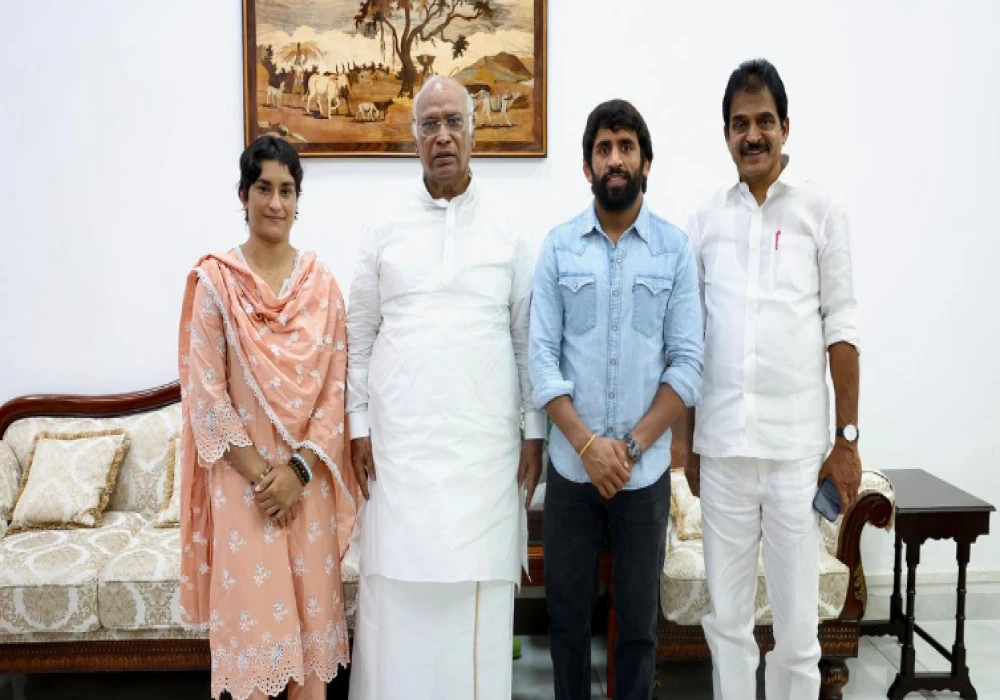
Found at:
(620, 198)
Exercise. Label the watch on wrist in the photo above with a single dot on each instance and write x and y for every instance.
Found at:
(849, 432)
(633, 448)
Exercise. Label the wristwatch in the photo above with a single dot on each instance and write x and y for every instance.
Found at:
(849, 432)
(633, 447)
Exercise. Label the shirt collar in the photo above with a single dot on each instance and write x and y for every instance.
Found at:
(467, 196)
(789, 178)
(589, 223)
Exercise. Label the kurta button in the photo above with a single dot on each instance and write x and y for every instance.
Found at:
(615, 292)
(611, 395)
(614, 361)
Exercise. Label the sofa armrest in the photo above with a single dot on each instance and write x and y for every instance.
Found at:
(871, 508)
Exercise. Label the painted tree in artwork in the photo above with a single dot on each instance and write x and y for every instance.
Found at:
(407, 22)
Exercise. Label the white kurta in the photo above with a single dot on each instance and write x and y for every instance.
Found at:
(437, 373)
(438, 331)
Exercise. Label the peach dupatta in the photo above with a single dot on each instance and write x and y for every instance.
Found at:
(283, 357)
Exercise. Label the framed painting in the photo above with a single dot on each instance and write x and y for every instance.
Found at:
(337, 77)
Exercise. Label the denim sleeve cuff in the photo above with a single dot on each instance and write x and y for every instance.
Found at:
(687, 386)
(358, 424)
(534, 425)
(545, 393)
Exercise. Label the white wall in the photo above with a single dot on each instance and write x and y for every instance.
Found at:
(121, 125)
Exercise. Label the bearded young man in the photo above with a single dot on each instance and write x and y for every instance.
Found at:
(615, 294)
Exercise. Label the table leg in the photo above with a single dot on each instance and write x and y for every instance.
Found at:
(959, 670)
(896, 601)
(909, 653)
(900, 688)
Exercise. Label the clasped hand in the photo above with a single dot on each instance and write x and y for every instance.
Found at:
(278, 495)
(608, 465)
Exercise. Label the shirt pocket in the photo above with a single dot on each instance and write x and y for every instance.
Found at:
(649, 303)
(579, 294)
(797, 266)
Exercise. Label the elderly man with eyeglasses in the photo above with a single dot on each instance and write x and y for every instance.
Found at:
(437, 381)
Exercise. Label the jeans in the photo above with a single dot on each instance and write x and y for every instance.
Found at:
(576, 517)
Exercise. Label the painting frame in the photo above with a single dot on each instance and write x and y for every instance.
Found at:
(535, 146)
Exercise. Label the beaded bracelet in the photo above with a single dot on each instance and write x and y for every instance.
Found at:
(297, 470)
(301, 467)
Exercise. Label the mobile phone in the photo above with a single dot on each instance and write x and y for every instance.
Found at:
(827, 500)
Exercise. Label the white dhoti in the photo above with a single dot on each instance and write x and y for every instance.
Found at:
(448, 641)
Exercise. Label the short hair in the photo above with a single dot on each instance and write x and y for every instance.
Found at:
(754, 76)
(267, 148)
(615, 115)
(443, 80)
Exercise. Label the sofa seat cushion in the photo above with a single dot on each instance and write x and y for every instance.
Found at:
(138, 588)
(684, 590)
(48, 578)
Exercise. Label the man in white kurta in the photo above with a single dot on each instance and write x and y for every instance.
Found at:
(774, 259)
(437, 380)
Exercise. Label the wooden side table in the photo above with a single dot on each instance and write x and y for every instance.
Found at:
(929, 508)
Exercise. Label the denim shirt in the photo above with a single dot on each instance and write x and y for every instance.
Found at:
(604, 321)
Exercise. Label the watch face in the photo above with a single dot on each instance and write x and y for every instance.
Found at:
(632, 446)
(850, 433)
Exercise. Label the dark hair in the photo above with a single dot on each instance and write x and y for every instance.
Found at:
(753, 76)
(263, 149)
(615, 115)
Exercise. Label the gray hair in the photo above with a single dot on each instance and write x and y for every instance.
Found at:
(434, 80)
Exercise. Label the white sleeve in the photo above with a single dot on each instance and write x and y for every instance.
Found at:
(364, 316)
(520, 305)
(838, 306)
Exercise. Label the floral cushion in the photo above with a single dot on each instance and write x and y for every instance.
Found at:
(10, 476)
(170, 515)
(67, 479)
(685, 507)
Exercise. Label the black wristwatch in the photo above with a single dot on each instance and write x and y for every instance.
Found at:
(633, 447)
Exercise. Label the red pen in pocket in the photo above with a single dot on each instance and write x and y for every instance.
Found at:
(777, 237)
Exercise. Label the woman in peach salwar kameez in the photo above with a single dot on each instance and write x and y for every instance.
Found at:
(267, 505)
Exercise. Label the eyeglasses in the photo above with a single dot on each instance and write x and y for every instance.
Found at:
(454, 122)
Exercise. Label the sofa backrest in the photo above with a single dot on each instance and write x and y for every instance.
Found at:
(142, 475)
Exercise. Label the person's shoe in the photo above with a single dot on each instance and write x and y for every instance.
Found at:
(517, 648)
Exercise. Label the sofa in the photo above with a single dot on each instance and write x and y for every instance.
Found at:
(843, 595)
(103, 597)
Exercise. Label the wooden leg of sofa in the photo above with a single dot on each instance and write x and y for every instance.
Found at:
(833, 678)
